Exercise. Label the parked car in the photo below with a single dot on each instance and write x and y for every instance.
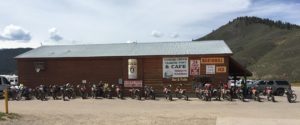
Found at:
(278, 86)
(4, 83)
(232, 84)
(13, 79)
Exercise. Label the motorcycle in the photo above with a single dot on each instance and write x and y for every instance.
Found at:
(135, 93)
(55, 90)
(168, 93)
(149, 92)
(180, 93)
(198, 92)
(227, 94)
(270, 94)
(83, 91)
(216, 93)
(119, 92)
(41, 93)
(207, 95)
(255, 95)
(239, 93)
(291, 96)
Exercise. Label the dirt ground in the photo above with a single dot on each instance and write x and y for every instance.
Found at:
(149, 112)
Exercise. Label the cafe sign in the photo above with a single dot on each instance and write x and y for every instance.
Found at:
(175, 67)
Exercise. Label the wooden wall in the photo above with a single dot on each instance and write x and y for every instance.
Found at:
(74, 70)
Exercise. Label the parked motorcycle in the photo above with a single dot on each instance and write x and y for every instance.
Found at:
(239, 94)
(168, 93)
(227, 94)
(119, 92)
(149, 92)
(216, 93)
(135, 93)
(255, 95)
(291, 96)
(198, 92)
(270, 94)
(181, 93)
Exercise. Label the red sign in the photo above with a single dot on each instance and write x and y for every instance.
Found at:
(195, 67)
(133, 83)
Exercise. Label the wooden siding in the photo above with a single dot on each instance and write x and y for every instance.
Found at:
(74, 70)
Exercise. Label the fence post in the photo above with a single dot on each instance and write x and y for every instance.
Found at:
(6, 100)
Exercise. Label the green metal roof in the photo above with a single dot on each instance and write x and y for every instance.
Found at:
(130, 49)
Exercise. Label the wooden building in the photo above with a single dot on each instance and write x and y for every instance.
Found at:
(131, 64)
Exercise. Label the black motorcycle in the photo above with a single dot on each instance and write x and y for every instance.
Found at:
(135, 93)
(291, 96)
(216, 93)
(227, 94)
(239, 94)
(149, 93)
(119, 92)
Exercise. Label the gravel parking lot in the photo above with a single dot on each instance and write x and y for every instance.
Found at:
(149, 112)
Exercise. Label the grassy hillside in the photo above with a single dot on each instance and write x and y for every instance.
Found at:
(271, 50)
(7, 61)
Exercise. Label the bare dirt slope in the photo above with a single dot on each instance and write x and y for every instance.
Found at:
(159, 112)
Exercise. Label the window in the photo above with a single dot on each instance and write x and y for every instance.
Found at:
(282, 82)
(270, 83)
(262, 83)
(4, 81)
(39, 66)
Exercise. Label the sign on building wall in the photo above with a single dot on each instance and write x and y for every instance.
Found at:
(212, 60)
(221, 69)
(133, 83)
(210, 69)
(132, 68)
(180, 79)
(194, 67)
(175, 67)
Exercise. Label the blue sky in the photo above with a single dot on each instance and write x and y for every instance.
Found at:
(28, 23)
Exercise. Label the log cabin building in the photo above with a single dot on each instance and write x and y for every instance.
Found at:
(131, 64)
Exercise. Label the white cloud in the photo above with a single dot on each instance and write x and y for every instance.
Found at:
(100, 21)
(156, 34)
(129, 41)
(54, 35)
(15, 33)
(174, 35)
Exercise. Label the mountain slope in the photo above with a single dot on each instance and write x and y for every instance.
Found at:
(7, 61)
(271, 50)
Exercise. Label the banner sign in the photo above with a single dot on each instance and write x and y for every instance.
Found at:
(210, 69)
(212, 60)
(175, 67)
(194, 67)
(133, 83)
(180, 79)
(221, 69)
(132, 68)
